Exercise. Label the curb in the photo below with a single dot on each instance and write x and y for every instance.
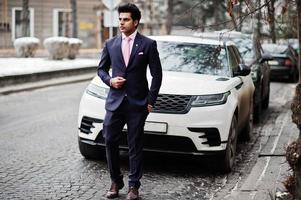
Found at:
(40, 76)
(27, 82)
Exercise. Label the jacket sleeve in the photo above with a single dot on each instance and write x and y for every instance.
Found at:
(156, 73)
(104, 66)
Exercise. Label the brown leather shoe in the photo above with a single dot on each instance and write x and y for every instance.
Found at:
(114, 190)
(133, 194)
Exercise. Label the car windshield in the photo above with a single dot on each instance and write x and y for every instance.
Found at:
(193, 58)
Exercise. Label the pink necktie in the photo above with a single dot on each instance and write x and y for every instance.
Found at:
(127, 50)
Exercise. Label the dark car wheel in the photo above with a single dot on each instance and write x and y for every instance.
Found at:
(257, 112)
(93, 152)
(266, 101)
(230, 152)
(257, 109)
(247, 131)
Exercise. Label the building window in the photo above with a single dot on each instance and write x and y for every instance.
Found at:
(17, 23)
(62, 24)
(4, 27)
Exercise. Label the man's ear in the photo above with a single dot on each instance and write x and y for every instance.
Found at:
(136, 22)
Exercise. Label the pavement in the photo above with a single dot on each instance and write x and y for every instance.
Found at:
(264, 182)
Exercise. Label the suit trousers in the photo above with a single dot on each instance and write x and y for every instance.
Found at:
(112, 129)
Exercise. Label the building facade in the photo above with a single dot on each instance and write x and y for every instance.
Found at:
(49, 18)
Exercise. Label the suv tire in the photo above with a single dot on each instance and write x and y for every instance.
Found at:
(228, 159)
(93, 152)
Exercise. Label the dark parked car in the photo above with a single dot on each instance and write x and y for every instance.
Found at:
(259, 67)
(284, 63)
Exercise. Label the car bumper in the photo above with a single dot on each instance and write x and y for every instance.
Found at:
(203, 130)
(281, 71)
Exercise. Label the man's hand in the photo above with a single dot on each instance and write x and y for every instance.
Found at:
(117, 82)
(149, 108)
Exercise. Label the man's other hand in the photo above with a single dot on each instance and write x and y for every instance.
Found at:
(117, 82)
(149, 108)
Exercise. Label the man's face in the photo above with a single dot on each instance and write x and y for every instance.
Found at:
(127, 24)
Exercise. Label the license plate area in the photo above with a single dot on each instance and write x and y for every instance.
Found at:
(153, 127)
(273, 62)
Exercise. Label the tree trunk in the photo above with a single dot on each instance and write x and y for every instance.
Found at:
(150, 21)
(74, 18)
(271, 19)
(239, 11)
(216, 14)
(256, 29)
(67, 24)
(169, 18)
(299, 37)
(25, 18)
(234, 21)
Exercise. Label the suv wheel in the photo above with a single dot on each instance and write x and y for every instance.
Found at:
(229, 156)
(93, 152)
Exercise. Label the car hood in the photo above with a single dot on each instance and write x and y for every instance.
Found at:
(195, 84)
(190, 83)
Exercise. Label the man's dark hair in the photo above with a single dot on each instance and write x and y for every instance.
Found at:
(130, 8)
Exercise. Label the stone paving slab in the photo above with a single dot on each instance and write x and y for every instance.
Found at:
(271, 168)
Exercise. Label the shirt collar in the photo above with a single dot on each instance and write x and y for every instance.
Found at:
(132, 36)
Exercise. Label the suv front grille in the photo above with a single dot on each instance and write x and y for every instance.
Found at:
(170, 103)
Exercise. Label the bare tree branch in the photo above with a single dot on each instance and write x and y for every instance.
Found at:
(240, 18)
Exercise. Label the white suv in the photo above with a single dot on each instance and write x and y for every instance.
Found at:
(205, 101)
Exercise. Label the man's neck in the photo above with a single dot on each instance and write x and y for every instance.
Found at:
(128, 35)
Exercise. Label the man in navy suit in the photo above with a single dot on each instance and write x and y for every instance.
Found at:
(129, 99)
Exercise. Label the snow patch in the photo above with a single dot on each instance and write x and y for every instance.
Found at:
(26, 46)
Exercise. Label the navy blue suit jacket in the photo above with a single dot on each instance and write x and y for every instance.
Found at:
(144, 53)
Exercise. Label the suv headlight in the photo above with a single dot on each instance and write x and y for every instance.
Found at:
(97, 91)
(210, 100)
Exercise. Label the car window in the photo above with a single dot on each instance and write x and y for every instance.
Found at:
(193, 58)
(233, 62)
(237, 55)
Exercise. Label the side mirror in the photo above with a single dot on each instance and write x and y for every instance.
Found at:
(265, 57)
(244, 70)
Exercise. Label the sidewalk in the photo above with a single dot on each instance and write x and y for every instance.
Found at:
(266, 179)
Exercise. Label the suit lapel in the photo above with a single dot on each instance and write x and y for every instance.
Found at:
(118, 49)
(136, 45)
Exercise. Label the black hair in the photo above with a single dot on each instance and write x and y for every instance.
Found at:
(130, 8)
